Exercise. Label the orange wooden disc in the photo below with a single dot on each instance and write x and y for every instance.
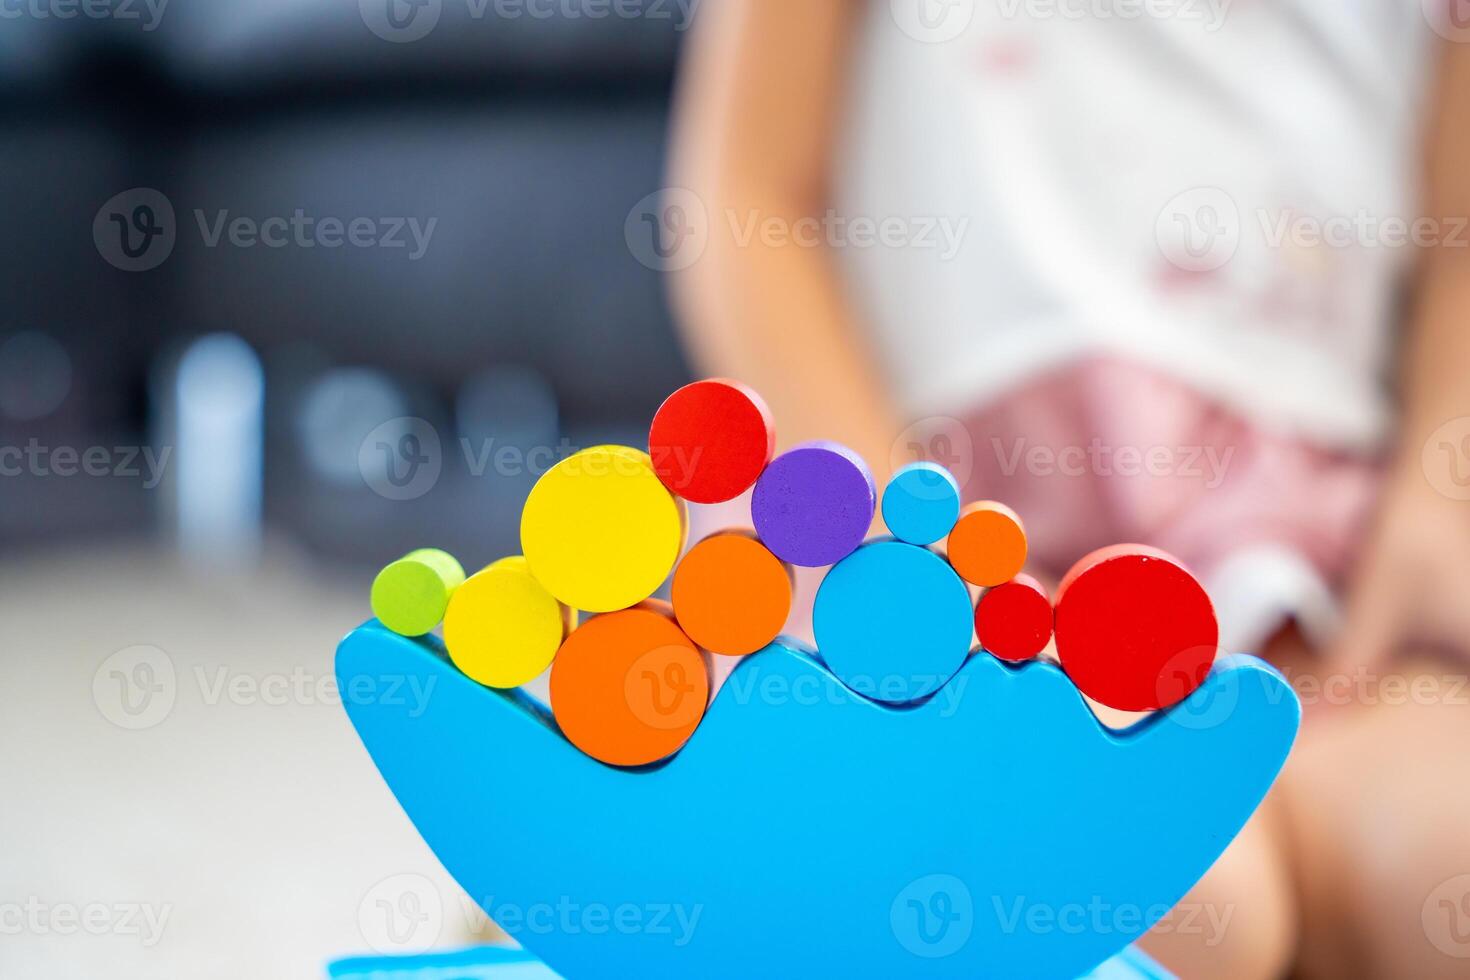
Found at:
(988, 544)
(731, 595)
(629, 687)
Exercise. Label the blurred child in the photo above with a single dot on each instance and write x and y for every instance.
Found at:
(1190, 274)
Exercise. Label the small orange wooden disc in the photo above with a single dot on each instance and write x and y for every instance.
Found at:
(988, 544)
(731, 595)
(629, 687)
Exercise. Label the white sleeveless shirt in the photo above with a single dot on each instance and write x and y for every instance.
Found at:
(1222, 190)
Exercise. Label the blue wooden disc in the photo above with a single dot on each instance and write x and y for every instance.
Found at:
(922, 503)
(892, 621)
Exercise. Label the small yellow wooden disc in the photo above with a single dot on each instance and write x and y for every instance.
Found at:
(600, 530)
(502, 627)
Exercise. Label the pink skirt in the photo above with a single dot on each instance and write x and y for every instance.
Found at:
(1106, 451)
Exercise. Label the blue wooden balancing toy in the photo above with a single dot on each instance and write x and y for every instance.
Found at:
(893, 805)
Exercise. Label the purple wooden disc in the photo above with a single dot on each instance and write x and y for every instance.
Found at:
(813, 505)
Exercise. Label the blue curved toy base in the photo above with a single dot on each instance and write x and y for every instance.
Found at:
(996, 829)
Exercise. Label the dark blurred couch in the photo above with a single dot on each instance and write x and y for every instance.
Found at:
(527, 129)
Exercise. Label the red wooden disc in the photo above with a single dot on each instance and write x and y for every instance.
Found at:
(711, 439)
(1013, 621)
(1134, 629)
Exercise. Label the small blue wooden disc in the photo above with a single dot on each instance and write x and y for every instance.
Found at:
(893, 621)
(922, 503)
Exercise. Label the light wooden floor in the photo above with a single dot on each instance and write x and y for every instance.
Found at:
(258, 828)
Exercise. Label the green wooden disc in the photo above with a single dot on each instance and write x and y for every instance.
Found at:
(410, 595)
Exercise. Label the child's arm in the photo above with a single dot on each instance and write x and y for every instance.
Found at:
(1414, 574)
(761, 89)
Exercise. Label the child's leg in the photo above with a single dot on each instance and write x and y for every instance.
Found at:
(1378, 797)
(1239, 922)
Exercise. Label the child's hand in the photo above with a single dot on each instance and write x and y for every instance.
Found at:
(1413, 577)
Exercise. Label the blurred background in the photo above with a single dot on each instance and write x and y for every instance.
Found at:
(292, 287)
(229, 436)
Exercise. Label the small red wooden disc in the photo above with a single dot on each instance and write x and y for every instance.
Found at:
(1134, 629)
(710, 440)
(1013, 621)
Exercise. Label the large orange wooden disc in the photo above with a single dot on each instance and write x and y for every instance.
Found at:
(629, 687)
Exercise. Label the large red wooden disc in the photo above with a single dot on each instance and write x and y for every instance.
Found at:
(1134, 629)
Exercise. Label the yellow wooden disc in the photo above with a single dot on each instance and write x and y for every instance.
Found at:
(502, 627)
(600, 530)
